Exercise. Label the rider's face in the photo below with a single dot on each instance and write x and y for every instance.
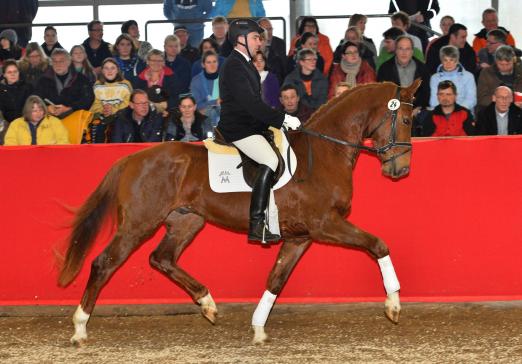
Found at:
(253, 42)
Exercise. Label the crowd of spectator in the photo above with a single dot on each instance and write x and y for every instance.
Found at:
(135, 93)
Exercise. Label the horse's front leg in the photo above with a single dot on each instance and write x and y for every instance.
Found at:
(289, 255)
(336, 230)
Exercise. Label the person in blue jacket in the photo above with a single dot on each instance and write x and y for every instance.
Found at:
(236, 9)
(189, 9)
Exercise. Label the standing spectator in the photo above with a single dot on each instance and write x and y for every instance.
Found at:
(188, 52)
(125, 54)
(96, 48)
(143, 47)
(188, 124)
(137, 123)
(81, 64)
(352, 69)
(179, 65)
(451, 69)
(502, 116)
(269, 81)
(445, 23)
(309, 24)
(50, 40)
(312, 86)
(457, 37)
(359, 21)
(503, 73)
(13, 91)
(490, 22)
(420, 11)
(19, 11)
(36, 126)
(189, 9)
(219, 34)
(207, 44)
(65, 88)
(9, 48)
(448, 118)
(205, 87)
(353, 34)
(292, 105)
(33, 64)
(239, 8)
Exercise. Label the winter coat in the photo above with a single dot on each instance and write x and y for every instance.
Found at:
(489, 80)
(366, 74)
(459, 123)
(323, 47)
(463, 80)
(487, 121)
(481, 40)
(13, 97)
(98, 55)
(319, 88)
(223, 8)
(468, 57)
(126, 130)
(200, 128)
(168, 91)
(50, 131)
(188, 9)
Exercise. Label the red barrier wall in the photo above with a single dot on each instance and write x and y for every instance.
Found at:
(453, 227)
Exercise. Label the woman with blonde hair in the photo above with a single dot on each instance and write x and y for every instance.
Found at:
(33, 63)
(81, 63)
(36, 126)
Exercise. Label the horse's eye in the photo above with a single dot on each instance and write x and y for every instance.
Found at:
(406, 121)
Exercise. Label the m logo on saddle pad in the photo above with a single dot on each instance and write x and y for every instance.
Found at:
(223, 161)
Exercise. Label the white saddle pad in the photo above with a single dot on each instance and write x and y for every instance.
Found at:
(224, 176)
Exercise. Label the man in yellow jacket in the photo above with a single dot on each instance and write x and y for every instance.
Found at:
(36, 126)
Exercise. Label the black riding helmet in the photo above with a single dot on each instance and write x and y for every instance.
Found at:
(242, 27)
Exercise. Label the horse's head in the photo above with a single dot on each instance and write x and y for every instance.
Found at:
(391, 133)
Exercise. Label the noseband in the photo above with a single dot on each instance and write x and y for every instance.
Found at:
(392, 143)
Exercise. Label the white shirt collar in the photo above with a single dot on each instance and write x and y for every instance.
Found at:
(243, 54)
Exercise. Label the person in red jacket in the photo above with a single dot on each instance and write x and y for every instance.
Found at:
(448, 118)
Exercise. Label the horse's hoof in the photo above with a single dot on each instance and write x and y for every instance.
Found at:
(78, 341)
(210, 314)
(260, 337)
(392, 307)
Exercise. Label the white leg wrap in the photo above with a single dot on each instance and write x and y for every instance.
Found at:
(263, 309)
(80, 319)
(389, 278)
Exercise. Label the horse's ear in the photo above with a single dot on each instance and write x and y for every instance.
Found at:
(414, 86)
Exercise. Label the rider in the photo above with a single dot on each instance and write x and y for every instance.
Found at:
(244, 116)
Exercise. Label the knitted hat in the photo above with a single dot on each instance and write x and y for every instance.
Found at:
(9, 34)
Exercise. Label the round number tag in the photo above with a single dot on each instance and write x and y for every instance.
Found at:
(394, 104)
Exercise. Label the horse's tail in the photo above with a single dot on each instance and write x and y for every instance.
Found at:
(87, 223)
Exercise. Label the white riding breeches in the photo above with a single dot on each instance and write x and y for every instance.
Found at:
(257, 148)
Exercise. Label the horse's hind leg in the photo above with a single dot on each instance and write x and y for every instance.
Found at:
(289, 255)
(181, 230)
(338, 231)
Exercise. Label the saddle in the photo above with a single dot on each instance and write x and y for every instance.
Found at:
(249, 165)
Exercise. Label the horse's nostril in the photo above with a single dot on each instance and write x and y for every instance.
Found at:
(404, 171)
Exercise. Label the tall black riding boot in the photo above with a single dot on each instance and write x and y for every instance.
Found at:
(260, 193)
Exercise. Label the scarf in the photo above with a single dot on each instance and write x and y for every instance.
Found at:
(351, 71)
(263, 75)
(61, 85)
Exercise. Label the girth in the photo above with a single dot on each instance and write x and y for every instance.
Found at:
(249, 165)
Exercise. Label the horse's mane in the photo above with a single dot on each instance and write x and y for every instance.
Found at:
(341, 98)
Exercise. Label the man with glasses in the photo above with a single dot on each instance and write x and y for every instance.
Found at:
(490, 22)
(96, 48)
(502, 116)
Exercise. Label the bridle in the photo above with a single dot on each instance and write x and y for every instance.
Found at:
(392, 142)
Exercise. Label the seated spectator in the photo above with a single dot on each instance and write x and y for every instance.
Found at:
(137, 123)
(274, 49)
(219, 34)
(309, 25)
(142, 47)
(486, 56)
(50, 40)
(502, 116)
(307, 41)
(359, 21)
(450, 69)
(353, 70)
(448, 118)
(9, 48)
(63, 88)
(503, 73)
(36, 126)
(490, 22)
(312, 86)
(290, 103)
(207, 44)
(445, 23)
(81, 64)
(239, 9)
(388, 47)
(158, 81)
(33, 64)
(125, 54)
(188, 124)
(179, 65)
(111, 91)
(96, 48)
(13, 91)
(188, 52)
(341, 87)
(401, 20)
(457, 36)
(354, 35)
(205, 88)
(269, 81)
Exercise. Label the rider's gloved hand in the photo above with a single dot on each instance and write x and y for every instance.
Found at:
(291, 122)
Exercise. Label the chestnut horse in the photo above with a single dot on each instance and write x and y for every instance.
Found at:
(168, 185)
